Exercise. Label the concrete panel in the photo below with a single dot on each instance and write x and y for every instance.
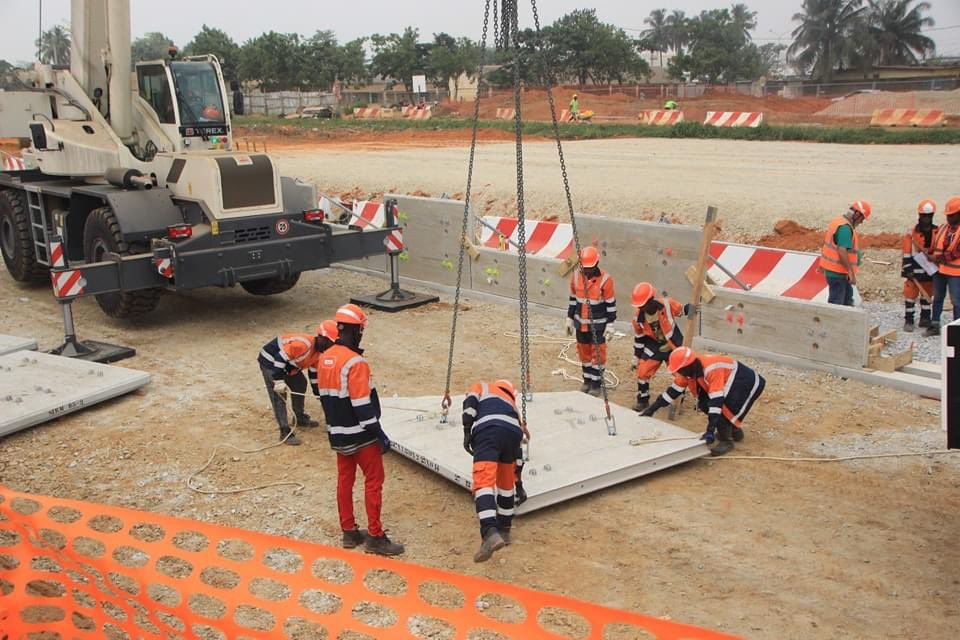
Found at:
(570, 453)
(634, 251)
(431, 233)
(9, 344)
(498, 273)
(826, 333)
(36, 387)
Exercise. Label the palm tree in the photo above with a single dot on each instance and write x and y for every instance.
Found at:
(897, 27)
(744, 19)
(55, 46)
(678, 32)
(821, 42)
(657, 33)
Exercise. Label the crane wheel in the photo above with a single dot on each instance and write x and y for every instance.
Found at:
(270, 286)
(16, 242)
(101, 235)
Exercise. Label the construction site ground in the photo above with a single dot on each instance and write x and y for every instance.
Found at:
(758, 548)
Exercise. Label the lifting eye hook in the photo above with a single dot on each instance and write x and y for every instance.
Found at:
(445, 407)
(611, 425)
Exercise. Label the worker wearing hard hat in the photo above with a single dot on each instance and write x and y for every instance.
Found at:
(840, 255)
(352, 409)
(656, 335)
(725, 390)
(916, 269)
(492, 434)
(946, 255)
(574, 108)
(670, 105)
(590, 314)
(282, 362)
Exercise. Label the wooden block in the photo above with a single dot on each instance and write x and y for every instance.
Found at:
(567, 266)
(874, 332)
(706, 293)
(889, 336)
(892, 363)
(472, 249)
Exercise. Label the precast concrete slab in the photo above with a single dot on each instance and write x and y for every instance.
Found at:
(571, 453)
(9, 344)
(36, 387)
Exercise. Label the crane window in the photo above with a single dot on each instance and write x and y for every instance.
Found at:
(154, 88)
(199, 97)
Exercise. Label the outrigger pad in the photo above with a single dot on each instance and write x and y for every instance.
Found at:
(394, 300)
(93, 351)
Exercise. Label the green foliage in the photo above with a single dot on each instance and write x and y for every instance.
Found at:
(150, 46)
(399, 56)
(54, 46)
(275, 60)
(720, 49)
(585, 49)
(218, 43)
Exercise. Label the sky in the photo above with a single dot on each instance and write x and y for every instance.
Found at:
(181, 19)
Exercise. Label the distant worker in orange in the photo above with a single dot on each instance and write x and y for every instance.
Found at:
(840, 255)
(492, 434)
(590, 314)
(916, 268)
(946, 255)
(656, 335)
(725, 390)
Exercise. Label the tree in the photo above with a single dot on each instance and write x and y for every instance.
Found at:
(822, 41)
(399, 56)
(54, 46)
(215, 41)
(351, 62)
(744, 19)
(150, 46)
(658, 33)
(897, 30)
(771, 59)
(719, 49)
(449, 57)
(581, 47)
(275, 61)
(678, 31)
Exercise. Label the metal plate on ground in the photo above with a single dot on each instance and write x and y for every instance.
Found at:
(36, 387)
(9, 344)
(570, 452)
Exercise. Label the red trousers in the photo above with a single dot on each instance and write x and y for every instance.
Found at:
(370, 461)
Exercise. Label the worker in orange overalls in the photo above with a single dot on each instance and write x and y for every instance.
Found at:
(840, 255)
(282, 362)
(946, 255)
(492, 434)
(592, 309)
(352, 409)
(725, 390)
(917, 281)
(656, 335)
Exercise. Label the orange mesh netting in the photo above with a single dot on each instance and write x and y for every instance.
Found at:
(71, 569)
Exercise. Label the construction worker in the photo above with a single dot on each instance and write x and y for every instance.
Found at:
(917, 282)
(946, 255)
(725, 390)
(656, 335)
(352, 409)
(592, 309)
(282, 362)
(574, 108)
(840, 256)
(670, 105)
(492, 434)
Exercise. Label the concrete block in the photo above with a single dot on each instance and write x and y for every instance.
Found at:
(497, 272)
(9, 344)
(431, 232)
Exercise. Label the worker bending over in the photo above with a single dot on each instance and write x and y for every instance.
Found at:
(492, 434)
(352, 409)
(840, 255)
(590, 314)
(946, 255)
(725, 390)
(916, 269)
(656, 335)
(282, 362)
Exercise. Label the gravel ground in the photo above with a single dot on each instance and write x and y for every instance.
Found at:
(890, 316)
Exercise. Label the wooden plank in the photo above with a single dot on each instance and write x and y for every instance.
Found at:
(497, 272)
(706, 294)
(882, 339)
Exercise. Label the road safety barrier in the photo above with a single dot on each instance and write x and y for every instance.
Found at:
(76, 569)
(751, 119)
(420, 114)
(506, 114)
(366, 113)
(544, 239)
(908, 118)
(661, 117)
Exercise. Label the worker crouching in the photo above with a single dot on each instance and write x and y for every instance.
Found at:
(725, 390)
(590, 315)
(655, 336)
(492, 434)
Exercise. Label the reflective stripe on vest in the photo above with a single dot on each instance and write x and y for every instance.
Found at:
(830, 252)
(948, 243)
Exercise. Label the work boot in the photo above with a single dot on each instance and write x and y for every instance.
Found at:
(737, 434)
(908, 325)
(493, 541)
(932, 330)
(724, 439)
(520, 494)
(306, 422)
(505, 534)
(381, 545)
(595, 391)
(585, 387)
(354, 538)
(641, 404)
(924, 319)
(291, 440)
(722, 447)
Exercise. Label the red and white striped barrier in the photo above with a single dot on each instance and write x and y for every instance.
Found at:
(164, 267)
(366, 113)
(908, 118)
(751, 119)
(661, 117)
(544, 239)
(394, 241)
(506, 114)
(11, 162)
(369, 214)
(421, 114)
(57, 260)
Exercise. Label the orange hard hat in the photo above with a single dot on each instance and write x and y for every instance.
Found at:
(926, 208)
(210, 112)
(328, 329)
(507, 387)
(351, 314)
(953, 206)
(863, 208)
(589, 257)
(681, 357)
(642, 294)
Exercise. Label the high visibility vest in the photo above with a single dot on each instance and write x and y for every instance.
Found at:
(914, 242)
(349, 399)
(830, 253)
(668, 313)
(595, 304)
(947, 246)
(289, 353)
(487, 406)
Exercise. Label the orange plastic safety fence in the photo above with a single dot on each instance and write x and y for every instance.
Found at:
(71, 569)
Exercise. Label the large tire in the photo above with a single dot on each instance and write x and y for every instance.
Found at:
(16, 241)
(270, 286)
(101, 234)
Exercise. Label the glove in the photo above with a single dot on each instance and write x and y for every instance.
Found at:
(608, 333)
(571, 327)
(467, 446)
(708, 436)
(383, 440)
(520, 495)
(634, 362)
(280, 388)
(691, 309)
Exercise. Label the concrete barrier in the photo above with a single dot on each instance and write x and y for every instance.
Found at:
(661, 117)
(751, 119)
(908, 118)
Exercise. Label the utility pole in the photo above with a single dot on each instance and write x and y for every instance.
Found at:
(40, 31)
